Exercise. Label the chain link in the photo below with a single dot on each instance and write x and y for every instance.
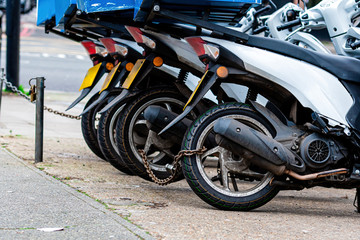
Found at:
(50, 110)
(15, 89)
(176, 166)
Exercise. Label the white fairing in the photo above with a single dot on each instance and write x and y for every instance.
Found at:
(313, 87)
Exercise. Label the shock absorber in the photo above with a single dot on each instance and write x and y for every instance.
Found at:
(183, 75)
(251, 95)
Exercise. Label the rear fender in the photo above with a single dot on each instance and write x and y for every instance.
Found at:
(208, 80)
(123, 97)
(86, 88)
(139, 73)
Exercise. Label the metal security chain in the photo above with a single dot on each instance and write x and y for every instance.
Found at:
(62, 114)
(15, 89)
(50, 110)
(176, 168)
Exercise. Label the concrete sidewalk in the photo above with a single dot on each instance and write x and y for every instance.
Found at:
(31, 200)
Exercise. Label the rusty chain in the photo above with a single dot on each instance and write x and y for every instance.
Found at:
(168, 180)
(50, 110)
(62, 114)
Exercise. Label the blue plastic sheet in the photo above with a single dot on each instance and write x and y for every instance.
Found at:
(62, 6)
(138, 8)
(45, 11)
(91, 6)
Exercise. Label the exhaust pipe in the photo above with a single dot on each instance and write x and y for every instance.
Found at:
(158, 117)
(256, 147)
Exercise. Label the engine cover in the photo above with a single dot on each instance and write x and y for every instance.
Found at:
(318, 151)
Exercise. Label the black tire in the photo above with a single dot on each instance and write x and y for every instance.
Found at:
(89, 127)
(107, 140)
(131, 137)
(201, 173)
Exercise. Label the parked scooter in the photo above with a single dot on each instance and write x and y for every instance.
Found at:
(108, 120)
(340, 18)
(305, 136)
(293, 24)
(103, 63)
(124, 55)
(134, 131)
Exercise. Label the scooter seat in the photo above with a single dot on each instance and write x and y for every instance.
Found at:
(345, 68)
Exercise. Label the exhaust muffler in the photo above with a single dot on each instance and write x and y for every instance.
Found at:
(256, 147)
(158, 117)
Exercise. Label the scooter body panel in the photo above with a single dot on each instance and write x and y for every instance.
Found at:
(314, 88)
(308, 41)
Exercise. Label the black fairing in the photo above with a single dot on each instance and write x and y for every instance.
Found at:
(229, 59)
(353, 116)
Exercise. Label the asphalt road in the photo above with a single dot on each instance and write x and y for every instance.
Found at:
(61, 61)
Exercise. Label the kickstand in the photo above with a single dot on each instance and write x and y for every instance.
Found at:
(357, 200)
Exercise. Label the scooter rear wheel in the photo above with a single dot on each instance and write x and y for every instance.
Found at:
(208, 175)
(89, 127)
(132, 133)
(106, 136)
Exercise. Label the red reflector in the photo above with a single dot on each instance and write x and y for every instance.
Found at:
(109, 43)
(90, 46)
(197, 44)
(136, 33)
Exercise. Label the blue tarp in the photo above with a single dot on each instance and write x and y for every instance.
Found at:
(45, 11)
(52, 8)
(140, 8)
(90, 6)
(61, 7)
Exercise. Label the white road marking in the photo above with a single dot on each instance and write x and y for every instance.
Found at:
(61, 56)
(47, 55)
(28, 54)
(80, 57)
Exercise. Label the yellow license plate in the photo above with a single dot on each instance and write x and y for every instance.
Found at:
(109, 78)
(90, 77)
(130, 78)
(197, 88)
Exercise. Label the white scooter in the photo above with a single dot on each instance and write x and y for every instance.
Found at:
(307, 135)
(293, 24)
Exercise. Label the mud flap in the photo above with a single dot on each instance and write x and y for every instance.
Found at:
(105, 92)
(86, 91)
(204, 86)
(102, 96)
(83, 94)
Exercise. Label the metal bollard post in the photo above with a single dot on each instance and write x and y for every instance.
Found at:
(39, 129)
(1, 84)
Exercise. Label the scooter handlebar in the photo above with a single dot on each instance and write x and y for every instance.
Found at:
(355, 45)
(262, 10)
(289, 24)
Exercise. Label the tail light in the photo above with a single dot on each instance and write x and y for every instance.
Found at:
(204, 49)
(139, 37)
(92, 48)
(113, 47)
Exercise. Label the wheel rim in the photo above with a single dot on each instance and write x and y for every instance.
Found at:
(137, 141)
(247, 183)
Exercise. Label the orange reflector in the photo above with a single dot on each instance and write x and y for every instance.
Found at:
(158, 62)
(129, 66)
(109, 66)
(222, 72)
